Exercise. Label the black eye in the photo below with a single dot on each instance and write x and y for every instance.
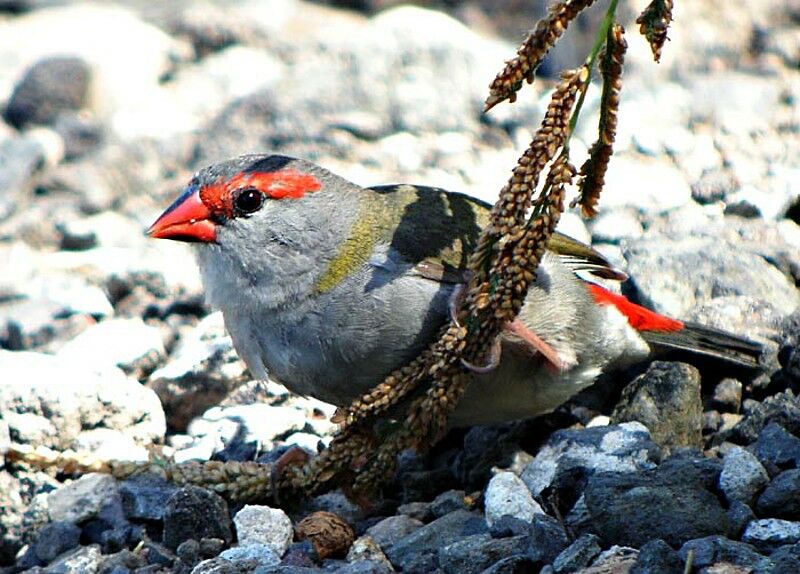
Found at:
(248, 200)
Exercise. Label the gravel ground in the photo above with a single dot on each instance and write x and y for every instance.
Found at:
(106, 344)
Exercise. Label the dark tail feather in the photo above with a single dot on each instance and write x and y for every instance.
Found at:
(707, 342)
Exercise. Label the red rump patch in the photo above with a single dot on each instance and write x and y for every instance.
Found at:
(639, 318)
(283, 184)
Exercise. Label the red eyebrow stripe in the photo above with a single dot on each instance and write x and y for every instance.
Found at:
(278, 184)
(282, 184)
(639, 318)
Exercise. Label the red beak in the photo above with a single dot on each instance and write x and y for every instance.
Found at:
(187, 219)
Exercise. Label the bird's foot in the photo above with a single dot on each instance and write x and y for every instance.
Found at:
(536, 344)
(494, 360)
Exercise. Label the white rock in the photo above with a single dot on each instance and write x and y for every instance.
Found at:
(508, 495)
(128, 55)
(646, 184)
(73, 397)
(264, 525)
(742, 476)
(261, 553)
(119, 342)
(767, 534)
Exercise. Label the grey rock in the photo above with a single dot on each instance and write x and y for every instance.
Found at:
(666, 399)
(49, 88)
(263, 525)
(417, 510)
(713, 549)
(623, 448)
(196, 513)
(365, 567)
(781, 498)
(768, 534)
(82, 560)
(742, 476)
(657, 557)
(87, 497)
(261, 554)
(80, 135)
(474, 554)
(672, 276)
(365, 549)
(145, 497)
(447, 502)
(20, 158)
(441, 532)
(393, 528)
(577, 555)
(507, 495)
(727, 396)
(337, 503)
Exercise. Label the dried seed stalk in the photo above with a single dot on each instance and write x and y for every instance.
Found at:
(240, 481)
(654, 22)
(593, 171)
(533, 50)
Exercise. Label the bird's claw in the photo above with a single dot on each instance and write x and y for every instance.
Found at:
(494, 360)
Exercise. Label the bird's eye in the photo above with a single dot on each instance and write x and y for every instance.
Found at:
(248, 200)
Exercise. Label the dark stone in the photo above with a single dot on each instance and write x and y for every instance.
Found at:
(577, 555)
(474, 554)
(777, 448)
(441, 532)
(53, 539)
(577, 453)
(782, 409)
(665, 399)
(115, 539)
(425, 484)
(145, 497)
(739, 515)
(519, 564)
(196, 513)
(781, 498)
(365, 567)
(676, 503)
(786, 559)
(447, 502)
(713, 549)
(418, 510)
(657, 557)
(50, 87)
(156, 553)
(547, 539)
(508, 525)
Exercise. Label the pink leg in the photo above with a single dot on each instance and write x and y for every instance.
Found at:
(536, 343)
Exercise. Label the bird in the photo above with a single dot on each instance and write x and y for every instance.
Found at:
(327, 287)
